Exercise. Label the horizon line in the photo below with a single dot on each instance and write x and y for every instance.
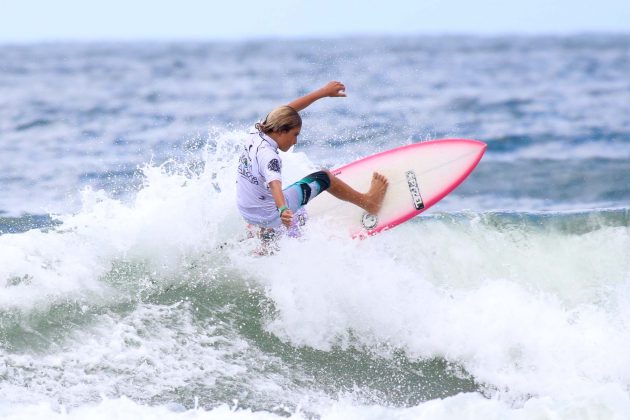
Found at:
(314, 37)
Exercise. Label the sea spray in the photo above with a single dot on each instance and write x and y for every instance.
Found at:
(508, 299)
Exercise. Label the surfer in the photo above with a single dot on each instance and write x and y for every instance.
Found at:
(261, 199)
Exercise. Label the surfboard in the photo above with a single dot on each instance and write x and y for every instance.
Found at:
(419, 176)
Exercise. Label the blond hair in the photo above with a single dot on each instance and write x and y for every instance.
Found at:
(283, 118)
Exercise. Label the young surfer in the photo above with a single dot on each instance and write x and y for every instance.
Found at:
(260, 197)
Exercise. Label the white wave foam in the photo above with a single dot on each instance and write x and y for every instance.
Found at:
(154, 349)
(602, 403)
(177, 213)
(525, 313)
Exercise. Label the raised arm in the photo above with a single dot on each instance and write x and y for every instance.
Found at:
(331, 89)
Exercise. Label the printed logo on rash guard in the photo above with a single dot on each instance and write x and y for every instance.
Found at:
(274, 165)
(245, 169)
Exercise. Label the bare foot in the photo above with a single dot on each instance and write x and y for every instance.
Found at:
(374, 197)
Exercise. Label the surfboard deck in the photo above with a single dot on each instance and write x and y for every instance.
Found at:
(419, 176)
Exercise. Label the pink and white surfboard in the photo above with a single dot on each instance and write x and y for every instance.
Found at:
(419, 176)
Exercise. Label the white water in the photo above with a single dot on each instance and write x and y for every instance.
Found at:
(539, 317)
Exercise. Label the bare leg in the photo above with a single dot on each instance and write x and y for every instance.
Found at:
(371, 201)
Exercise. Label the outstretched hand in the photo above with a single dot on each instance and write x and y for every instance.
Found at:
(334, 89)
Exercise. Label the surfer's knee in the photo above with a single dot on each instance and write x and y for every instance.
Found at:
(323, 179)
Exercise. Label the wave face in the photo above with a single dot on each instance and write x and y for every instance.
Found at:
(128, 287)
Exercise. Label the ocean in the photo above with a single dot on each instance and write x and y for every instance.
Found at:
(125, 290)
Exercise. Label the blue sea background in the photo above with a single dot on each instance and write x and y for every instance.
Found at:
(123, 290)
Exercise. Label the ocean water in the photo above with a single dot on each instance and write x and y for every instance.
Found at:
(125, 291)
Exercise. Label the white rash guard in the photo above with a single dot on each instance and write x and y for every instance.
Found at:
(259, 164)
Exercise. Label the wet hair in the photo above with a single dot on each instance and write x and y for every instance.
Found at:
(282, 119)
